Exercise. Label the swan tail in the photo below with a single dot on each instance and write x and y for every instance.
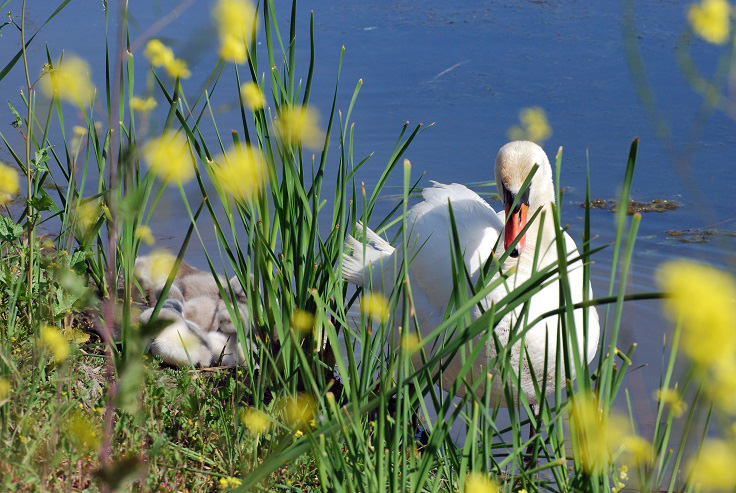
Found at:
(357, 258)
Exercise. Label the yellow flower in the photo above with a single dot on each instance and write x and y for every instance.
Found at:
(720, 384)
(53, 340)
(534, 126)
(672, 398)
(4, 388)
(595, 435)
(168, 156)
(299, 125)
(145, 234)
(477, 482)
(161, 55)
(161, 263)
(142, 105)
(713, 469)
(710, 19)
(158, 53)
(229, 483)
(253, 96)
(233, 50)
(178, 69)
(299, 410)
(298, 434)
(254, 420)
(9, 183)
(234, 19)
(82, 431)
(69, 81)
(637, 451)
(88, 213)
(242, 172)
(410, 342)
(302, 320)
(375, 305)
(704, 299)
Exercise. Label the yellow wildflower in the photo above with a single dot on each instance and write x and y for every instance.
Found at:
(302, 320)
(142, 105)
(595, 435)
(69, 81)
(234, 19)
(88, 213)
(299, 410)
(161, 55)
(53, 340)
(158, 53)
(82, 431)
(298, 434)
(713, 469)
(168, 156)
(478, 482)
(637, 450)
(254, 420)
(410, 342)
(672, 398)
(253, 96)
(9, 183)
(229, 483)
(145, 234)
(375, 305)
(720, 385)
(710, 19)
(4, 388)
(704, 299)
(178, 69)
(242, 172)
(534, 126)
(161, 263)
(299, 125)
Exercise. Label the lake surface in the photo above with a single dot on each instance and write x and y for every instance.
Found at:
(469, 69)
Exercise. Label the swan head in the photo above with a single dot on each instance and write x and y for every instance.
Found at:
(514, 162)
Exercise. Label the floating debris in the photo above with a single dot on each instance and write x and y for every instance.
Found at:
(658, 205)
(696, 235)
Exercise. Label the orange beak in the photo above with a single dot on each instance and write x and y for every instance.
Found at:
(515, 222)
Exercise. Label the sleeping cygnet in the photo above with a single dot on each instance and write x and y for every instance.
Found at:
(182, 343)
(214, 317)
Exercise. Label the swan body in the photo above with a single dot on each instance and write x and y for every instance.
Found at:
(481, 232)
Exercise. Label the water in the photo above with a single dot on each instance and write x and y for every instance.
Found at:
(469, 69)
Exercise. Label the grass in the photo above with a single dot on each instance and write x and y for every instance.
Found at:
(108, 416)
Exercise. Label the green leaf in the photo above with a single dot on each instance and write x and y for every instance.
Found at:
(9, 230)
(18, 120)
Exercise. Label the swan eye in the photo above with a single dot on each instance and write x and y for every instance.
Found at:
(508, 196)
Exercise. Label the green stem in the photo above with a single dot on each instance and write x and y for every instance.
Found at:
(31, 214)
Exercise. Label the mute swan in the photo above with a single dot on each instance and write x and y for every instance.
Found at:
(479, 228)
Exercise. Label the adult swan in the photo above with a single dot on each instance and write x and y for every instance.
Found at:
(479, 228)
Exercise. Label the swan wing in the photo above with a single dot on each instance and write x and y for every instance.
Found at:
(430, 239)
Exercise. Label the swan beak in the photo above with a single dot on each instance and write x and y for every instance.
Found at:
(515, 222)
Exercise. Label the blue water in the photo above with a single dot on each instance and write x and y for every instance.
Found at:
(469, 68)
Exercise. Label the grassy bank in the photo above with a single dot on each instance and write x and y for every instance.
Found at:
(82, 405)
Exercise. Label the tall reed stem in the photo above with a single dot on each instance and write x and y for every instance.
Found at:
(29, 131)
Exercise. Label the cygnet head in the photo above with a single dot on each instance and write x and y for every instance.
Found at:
(514, 162)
